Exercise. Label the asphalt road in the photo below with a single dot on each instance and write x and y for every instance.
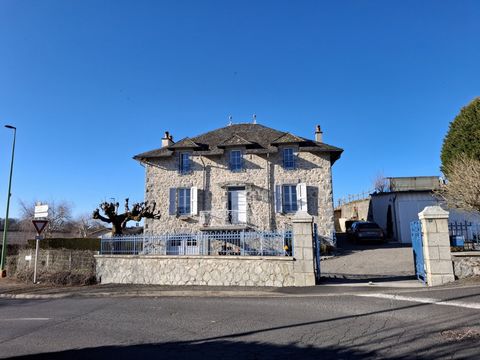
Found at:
(330, 325)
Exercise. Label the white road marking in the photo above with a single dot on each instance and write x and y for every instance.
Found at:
(26, 319)
(422, 300)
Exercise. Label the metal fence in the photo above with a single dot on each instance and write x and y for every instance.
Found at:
(465, 234)
(240, 243)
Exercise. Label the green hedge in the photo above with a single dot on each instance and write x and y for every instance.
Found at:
(67, 243)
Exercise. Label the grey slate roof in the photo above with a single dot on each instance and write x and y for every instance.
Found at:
(257, 139)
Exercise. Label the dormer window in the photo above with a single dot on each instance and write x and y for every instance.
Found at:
(288, 158)
(184, 165)
(236, 161)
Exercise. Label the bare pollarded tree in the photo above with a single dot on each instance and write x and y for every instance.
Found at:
(119, 221)
(462, 190)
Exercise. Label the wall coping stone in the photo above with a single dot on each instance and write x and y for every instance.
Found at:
(302, 217)
(198, 257)
(433, 212)
(466, 254)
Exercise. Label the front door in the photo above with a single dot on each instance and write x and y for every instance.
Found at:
(237, 205)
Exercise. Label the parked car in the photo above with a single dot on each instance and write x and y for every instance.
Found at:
(366, 230)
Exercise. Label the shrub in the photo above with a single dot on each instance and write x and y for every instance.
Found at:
(61, 278)
(463, 137)
(68, 243)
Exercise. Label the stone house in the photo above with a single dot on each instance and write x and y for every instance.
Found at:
(239, 177)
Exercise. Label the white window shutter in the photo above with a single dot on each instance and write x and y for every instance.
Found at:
(172, 207)
(278, 199)
(302, 197)
(295, 159)
(194, 200)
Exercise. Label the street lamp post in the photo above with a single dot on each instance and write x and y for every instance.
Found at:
(3, 257)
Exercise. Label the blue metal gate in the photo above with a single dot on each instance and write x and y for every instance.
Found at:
(417, 246)
(316, 254)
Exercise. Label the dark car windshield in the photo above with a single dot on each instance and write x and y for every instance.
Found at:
(368, 226)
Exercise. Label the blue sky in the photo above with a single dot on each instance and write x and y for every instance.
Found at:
(89, 84)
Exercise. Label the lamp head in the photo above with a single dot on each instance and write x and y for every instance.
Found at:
(11, 127)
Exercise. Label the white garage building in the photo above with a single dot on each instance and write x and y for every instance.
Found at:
(396, 209)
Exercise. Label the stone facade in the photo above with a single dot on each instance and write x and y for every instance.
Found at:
(196, 270)
(466, 264)
(261, 173)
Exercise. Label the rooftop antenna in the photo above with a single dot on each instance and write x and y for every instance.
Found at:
(230, 118)
(254, 118)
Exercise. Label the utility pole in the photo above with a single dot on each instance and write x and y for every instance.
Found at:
(3, 271)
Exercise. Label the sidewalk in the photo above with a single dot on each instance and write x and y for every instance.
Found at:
(14, 290)
(10, 289)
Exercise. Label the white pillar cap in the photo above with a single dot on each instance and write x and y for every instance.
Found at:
(433, 212)
(302, 216)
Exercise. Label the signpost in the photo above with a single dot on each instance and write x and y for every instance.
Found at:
(39, 226)
(41, 211)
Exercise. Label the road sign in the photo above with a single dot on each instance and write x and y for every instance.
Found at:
(40, 225)
(41, 211)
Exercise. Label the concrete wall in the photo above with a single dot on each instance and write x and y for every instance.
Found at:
(212, 177)
(195, 270)
(466, 264)
(355, 210)
(414, 183)
(405, 208)
(457, 215)
(379, 208)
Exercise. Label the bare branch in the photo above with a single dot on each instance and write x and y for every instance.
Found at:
(380, 183)
(462, 190)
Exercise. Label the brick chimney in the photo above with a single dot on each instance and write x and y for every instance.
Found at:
(318, 134)
(167, 139)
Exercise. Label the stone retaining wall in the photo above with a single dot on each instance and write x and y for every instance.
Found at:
(466, 264)
(54, 260)
(195, 270)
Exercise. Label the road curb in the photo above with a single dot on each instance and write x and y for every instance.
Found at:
(35, 296)
(145, 294)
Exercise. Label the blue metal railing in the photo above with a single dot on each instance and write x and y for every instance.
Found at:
(417, 246)
(240, 243)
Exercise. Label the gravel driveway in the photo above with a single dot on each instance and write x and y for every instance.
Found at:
(369, 261)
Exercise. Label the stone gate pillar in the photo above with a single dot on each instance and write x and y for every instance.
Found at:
(436, 246)
(303, 266)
